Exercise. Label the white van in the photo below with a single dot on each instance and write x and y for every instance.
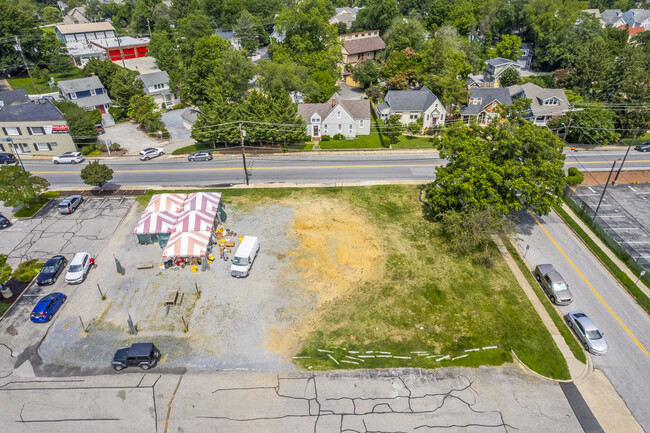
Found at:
(246, 253)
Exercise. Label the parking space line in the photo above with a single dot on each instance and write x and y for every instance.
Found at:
(593, 289)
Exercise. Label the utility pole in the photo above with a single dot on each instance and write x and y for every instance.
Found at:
(242, 134)
(625, 157)
(22, 56)
(149, 27)
(14, 149)
(119, 45)
(605, 188)
(566, 129)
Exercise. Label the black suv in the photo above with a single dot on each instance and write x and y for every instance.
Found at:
(7, 158)
(643, 147)
(143, 355)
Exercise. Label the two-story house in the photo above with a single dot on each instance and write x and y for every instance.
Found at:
(84, 32)
(156, 84)
(485, 104)
(359, 47)
(613, 17)
(345, 15)
(494, 68)
(336, 116)
(88, 93)
(525, 60)
(637, 18)
(35, 127)
(412, 105)
(545, 104)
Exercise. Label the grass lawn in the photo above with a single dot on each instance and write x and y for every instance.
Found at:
(3, 308)
(424, 306)
(409, 142)
(23, 82)
(639, 139)
(371, 141)
(36, 204)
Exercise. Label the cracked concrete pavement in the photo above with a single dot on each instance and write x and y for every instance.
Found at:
(457, 400)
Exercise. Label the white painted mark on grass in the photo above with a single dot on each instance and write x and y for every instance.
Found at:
(444, 357)
(353, 351)
(332, 358)
(386, 356)
(369, 351)
(422, 354)
(418, 351)
(366, 356)
(385, 353)
(356, 359)
(472, 350)
(323, 350)
(402, 357)
(458, 357)
(301, 357)
(433, 356)
(489, 347)
(349, 362)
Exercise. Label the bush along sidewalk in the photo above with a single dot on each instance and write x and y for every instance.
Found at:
(642, 299)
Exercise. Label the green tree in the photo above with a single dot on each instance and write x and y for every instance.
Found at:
(505, 166)
(80, 122)
(96, 174)
(231, 10)
(122, 86)
(5, 269)
(589, 73)
(377, 15)
(51, 15)
(246, 31)
(275, 77)
(508, 48)
(181, 8)
(400, 61)
(324, 86)
(214, 123)
(232, 77)
(393, 128)
(404, 34)
(141, 107)
(366, 73)
(19, 187)
(510, 77)
(209, 53)
(190, 30)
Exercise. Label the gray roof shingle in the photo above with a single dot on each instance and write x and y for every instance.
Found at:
(487, 96)
(80, 84)
(358, 109)
(364, 45)
(538, 95)
(9, 97)
(38, 110)
(409, 100)
(160, 77)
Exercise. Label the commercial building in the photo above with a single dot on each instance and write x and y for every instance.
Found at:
(35, 128)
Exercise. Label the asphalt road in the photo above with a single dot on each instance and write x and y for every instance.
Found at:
(301, 169)
(626, 327)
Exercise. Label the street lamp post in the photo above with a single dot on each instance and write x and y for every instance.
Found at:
(11, 143)
(605, 188)
(636, 132)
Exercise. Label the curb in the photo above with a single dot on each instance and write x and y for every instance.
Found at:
(31, 283)
(589, 368)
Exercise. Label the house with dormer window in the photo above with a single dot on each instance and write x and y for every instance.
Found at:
(485, 104)
(336, 116)
(88, 93)
(412, 105)
(545, 104)
(156, 84)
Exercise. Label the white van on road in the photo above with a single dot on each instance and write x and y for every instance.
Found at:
(244, 257)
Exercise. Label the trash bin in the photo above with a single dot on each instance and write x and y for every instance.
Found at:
(5, 291)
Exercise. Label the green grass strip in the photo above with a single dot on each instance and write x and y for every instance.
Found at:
(36, 205)
(641, 298)
(574, 345)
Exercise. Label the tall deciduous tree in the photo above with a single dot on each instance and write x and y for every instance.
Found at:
(96, 174)
(246, 32)
(378, 15)
(80, 122)
(18, 187)
(589, 72)
(209, 52)
(509, 77)
(504, 166)
(404, 34)
(366, 73)
(507, 47)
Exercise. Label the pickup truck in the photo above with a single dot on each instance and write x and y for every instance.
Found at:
(553, 284)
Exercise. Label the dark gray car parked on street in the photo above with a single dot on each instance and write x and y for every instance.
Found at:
(143, 355)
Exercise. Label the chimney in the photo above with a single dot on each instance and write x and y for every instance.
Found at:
(92, 74)
(333, 101)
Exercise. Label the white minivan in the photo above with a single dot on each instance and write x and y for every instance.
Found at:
(246, 253)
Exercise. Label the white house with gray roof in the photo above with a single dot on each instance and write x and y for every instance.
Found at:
(412, 105)
(88, 93)
(545, 104)
(485, 104)
(336, 116)
(156, 84)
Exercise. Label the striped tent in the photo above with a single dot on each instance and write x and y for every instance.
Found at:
(156, 222)
(202, 201)
(195, 221)
(187, 244)
(166, 203)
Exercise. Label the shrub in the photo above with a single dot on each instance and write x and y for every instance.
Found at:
(115, 146)
(307, 137)
(95, 153)
(179, 106)
(26, 271)
(414, 127)
(87, 149)
(96, 116)
(339, 137)
(574, 177)
(325, 138)
(118, 114)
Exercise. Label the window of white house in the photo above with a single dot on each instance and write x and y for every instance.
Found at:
(340, 127)
(325, 128)
(315, 120)
(475, 101)
(368, 54)
(43, 146)
(93, 92)
(414, 116)
(73, 95)
(10, 130)
(351, 127)
(427, 117)
(36, 130)
(551, 101)
(338, 114)
(361, 123)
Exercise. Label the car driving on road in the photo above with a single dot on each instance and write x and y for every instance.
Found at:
(7, 158)
(553, 284)
(69, 204)
(46, 307)
(150, 152)
(203, 155)
(68, 158)
(79, 267)
(590, 337)
(51, 270)
(643, 147)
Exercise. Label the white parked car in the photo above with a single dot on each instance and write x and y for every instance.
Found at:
(150, 152)
(68, 158)
(79, 267)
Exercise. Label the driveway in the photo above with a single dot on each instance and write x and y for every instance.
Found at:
(131, 138)
(174, 124)
(349, 92)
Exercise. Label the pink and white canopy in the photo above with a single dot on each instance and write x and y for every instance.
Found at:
(195, 221)
(202, 201)
(187, 244)
(156, 222)
(166, 203)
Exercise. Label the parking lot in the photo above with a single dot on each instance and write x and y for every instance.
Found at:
(48, 234)
(623, 214)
